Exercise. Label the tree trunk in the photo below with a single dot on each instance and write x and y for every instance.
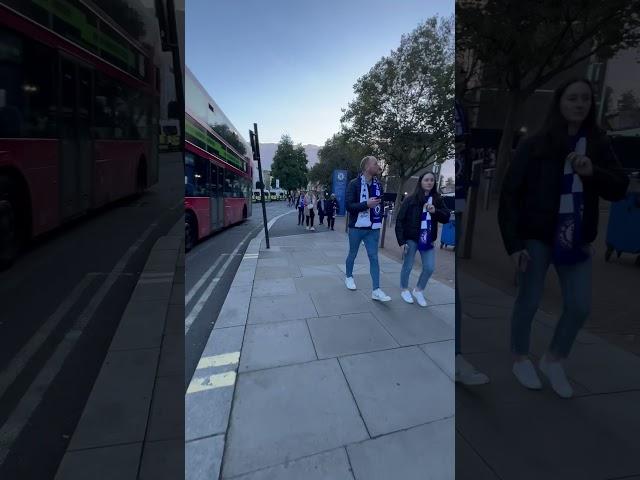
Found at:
(396, 205)
(506, 141)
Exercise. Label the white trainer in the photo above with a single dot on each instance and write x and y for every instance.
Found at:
(379, 295)
(350, 283)
(406, 296)
(556, 376)
(420, 298)
(307, 228)
(526, 374)
(313, 229)
(466, 373)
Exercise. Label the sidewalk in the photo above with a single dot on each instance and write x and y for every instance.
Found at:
(130, 427)
(504, 431)
(329, 384)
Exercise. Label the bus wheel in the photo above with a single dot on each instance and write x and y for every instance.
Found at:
(190, 231)
(9, 229)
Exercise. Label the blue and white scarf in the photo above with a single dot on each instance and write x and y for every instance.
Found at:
(568, 248)
(372, 217)
(424, 242)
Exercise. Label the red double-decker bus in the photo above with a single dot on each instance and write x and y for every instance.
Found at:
(79, 104)
(217, 167)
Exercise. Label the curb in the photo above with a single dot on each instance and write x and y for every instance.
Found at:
(109, 437)
(207, 414)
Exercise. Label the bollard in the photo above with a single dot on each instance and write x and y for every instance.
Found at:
(384, 226)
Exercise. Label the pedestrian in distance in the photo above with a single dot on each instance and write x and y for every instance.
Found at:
(548, 214)
(364, 195)
(321, 208)
(332, 211)
(416, 230)
(310, 201)
(300, 204)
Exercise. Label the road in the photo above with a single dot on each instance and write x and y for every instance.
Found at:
(60, 306)
(209, 270)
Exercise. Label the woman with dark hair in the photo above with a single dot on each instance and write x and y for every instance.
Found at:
(548, 214)
(417, 229)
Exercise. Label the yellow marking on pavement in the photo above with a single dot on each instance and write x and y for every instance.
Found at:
(219, 360)
(218, 380)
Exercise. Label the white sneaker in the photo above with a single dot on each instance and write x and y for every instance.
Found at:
(313, 229)
(350, 283)
(379, 295)
(307, 228)
(556, 376)
(420, 298)
(526, 374)
(406, 296)
(467, 374)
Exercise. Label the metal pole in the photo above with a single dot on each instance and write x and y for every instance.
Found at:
(255, 146)
(384, 226)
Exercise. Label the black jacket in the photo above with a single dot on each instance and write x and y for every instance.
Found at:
(409, 218)
(332, 207)
(530, 197)
(354, 205)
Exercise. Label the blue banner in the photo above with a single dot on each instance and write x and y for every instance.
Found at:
(340, 189)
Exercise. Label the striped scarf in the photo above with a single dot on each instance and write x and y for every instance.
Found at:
(568, 247)
(424, 242)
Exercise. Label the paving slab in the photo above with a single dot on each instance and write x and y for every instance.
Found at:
(166, 420)
(349, 334)
(469, 465)
(333, 465)
(415, 325)
(203, 458)
(341, 301)
(443, 355)
(141, 325)
(162, 460)
(235, 308)
(425, 452)
(118, 406)
(106, 463)
(273, 287)
(271, 424)
(276, 344)
(296, 306)
(398, 389)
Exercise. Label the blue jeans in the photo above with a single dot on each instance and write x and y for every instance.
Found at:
(371, 238)
(428, 265)
(575, 283)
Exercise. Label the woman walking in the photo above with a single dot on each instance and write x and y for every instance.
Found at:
(332, 210)
(417, 229)
(300, 204)
(549, 214)
(310, 201)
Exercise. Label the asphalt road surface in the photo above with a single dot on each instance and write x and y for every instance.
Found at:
(60, 305)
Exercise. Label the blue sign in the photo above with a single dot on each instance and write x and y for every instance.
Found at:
(340, 189)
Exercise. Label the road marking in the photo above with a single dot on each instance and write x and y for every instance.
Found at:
(219, 380)
(219, 360)
(30, 401)
(203, 279)
(195, 311)
(18, 362)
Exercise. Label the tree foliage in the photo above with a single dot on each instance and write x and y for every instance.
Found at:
(404, 104)
(338, 153)
(289, 164)
(521, 46)
(230, 137)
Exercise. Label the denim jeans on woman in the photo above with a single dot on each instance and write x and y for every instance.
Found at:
(428, 265)
(575, 283)
(371, 238)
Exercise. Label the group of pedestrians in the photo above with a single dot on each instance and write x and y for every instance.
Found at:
(309, 202)
(416, 229)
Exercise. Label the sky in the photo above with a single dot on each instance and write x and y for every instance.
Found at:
(290, 65)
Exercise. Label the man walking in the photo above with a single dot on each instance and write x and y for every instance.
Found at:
(332, 209)
(364, 196)
(322, 208)
(301, 208)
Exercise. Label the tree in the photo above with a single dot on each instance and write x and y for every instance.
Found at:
(129, 17)
(628, 101)
(521, 46)
(404, 104)
(230, 137)
(289, 164)
(338, 153)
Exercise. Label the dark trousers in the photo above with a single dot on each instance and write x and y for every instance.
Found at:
(310, 218)
(321, 215)
(331, 221)
(300, 215)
